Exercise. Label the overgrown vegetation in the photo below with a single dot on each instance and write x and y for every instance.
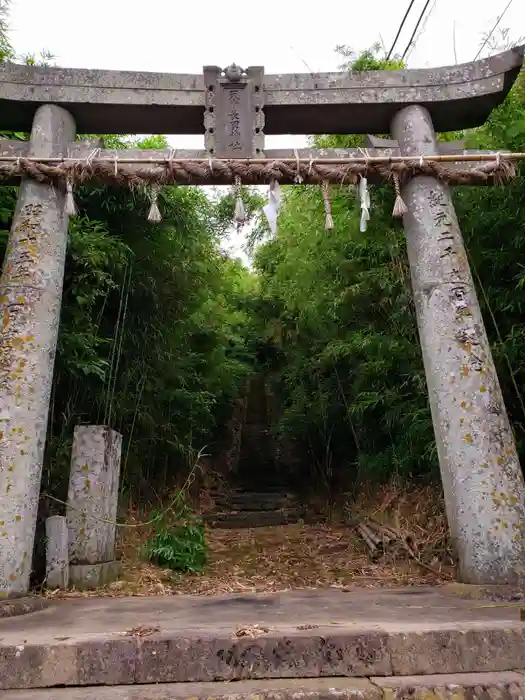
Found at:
(152, 339)
(338, 306)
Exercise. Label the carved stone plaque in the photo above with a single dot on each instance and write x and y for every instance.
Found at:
(234, 117)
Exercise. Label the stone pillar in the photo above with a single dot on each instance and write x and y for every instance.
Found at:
(92, 505)
(482, 479)
(30, 299)
(57, 555)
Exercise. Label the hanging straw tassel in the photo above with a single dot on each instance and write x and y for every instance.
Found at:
(71, 209)
(154, 211)
(400, 208)
(240, 213)
(364, 195)
(328, 221)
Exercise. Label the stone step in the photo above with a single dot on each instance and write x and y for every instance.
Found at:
(461, 686)
(268, 492)
(230, 520)
(286, 635)
(240, 507)
(246, 502)
(278, 492)
(253, 496)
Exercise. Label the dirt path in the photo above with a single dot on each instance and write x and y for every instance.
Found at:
(268, 559)
(297, 556)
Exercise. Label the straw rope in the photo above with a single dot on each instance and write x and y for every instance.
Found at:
(258, 171)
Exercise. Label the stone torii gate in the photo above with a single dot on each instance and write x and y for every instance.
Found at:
(482, 479)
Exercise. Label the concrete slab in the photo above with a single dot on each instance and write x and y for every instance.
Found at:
(466, 686)
(294, 689)
(295, 634)
(466, 680)
(22, 606)
(458, 686)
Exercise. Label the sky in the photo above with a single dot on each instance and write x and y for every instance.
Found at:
(285, 36)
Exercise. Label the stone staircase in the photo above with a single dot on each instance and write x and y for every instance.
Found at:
(257, 494)
(241, 508)
(405, 644)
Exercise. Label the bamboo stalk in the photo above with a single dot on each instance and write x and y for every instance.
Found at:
(366, 537)
(376, 539)
(416, 160)
(395, 534)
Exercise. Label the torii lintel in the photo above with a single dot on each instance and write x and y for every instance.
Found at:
(105, 102)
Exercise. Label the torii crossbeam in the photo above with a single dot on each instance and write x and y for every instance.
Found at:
(233, 109)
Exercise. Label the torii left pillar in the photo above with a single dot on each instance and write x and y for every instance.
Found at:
(30, 300)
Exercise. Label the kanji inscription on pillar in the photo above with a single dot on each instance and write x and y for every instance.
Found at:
(234, 118)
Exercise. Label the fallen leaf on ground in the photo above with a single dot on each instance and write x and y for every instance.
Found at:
(291, 557)
(251, 631)
(142, 631)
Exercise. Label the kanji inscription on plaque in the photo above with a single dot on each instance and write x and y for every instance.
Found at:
(234, 116)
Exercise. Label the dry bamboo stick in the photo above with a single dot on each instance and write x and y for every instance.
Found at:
(370, 160)
(390, 531)
(366, 537)
(374, 536)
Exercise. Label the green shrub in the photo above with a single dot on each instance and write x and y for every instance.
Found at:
(180, 547)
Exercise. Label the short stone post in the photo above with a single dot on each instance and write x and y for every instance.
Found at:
(92, 505)
(30, 299)
(482, 479)
(57, 554)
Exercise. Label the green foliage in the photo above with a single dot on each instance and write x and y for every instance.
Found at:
(338, 306)
(155, 328)
(180, 547)
(160, 328)
(367, 60)
(152, 336)
(6, 50)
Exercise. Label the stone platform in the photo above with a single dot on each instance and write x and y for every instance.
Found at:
(282, 637)
(508, 685)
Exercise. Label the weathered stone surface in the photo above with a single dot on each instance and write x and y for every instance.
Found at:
(309, 634)
(293, 689)
(30, 299)
(57, 552)
(482, 478)
(121, 101)
(22, 606)
(246, 501)
(284, 656)
(472, 686)
(502, 593)
(234, 117)
(390, 145)
(35, 666)
(458, 686)
(109, 662)
(457, 651)
(85, 577)
(255, 518)
(93, 494)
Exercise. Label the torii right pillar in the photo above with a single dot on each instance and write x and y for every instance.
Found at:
(482, 479)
